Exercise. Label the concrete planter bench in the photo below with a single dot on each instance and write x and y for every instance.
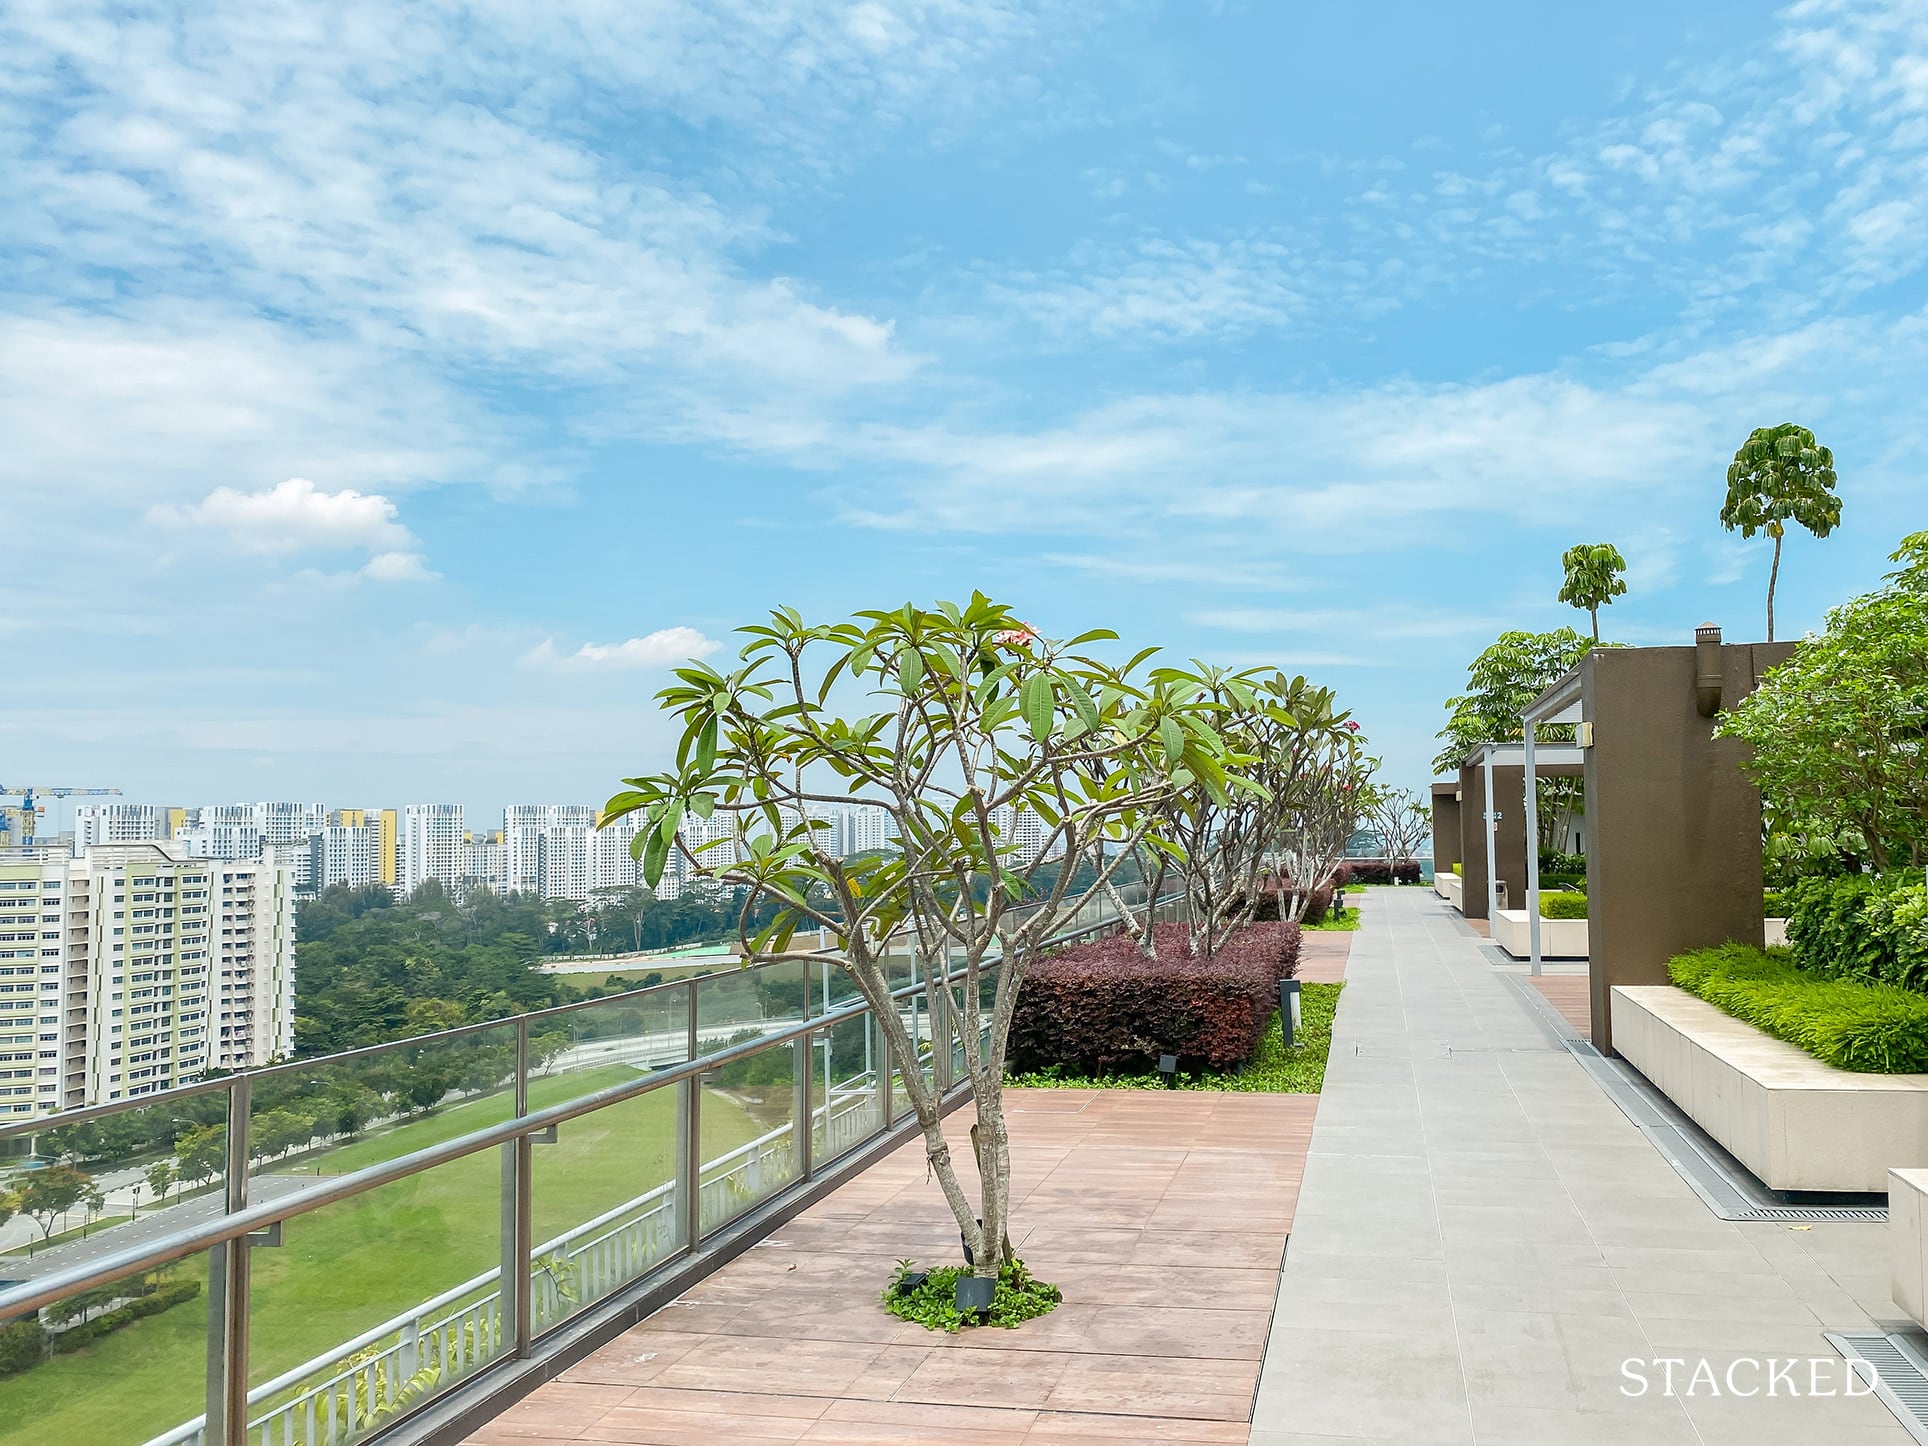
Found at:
(1797, 1123)
(1776, 932)
(1559, 938)
(1450, 890)
(1908, 1241)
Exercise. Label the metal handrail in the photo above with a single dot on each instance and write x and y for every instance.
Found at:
(234, 1225)
(65, 1118)
(660, 1195)
(363, 1389)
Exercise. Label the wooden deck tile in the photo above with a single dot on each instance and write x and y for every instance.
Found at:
(1162, 1216)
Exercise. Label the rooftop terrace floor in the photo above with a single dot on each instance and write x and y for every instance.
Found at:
(1162, 1216)
(1483, 1240)
(1480, 1241)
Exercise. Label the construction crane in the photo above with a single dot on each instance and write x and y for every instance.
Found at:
(29, 809)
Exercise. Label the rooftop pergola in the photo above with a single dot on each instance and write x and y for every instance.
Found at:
(1532, 758)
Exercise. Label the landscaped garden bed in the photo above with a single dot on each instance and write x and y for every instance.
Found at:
(1274, 1068)
(1105, 1007)
(1796, 1121)
(1812, 1082)
(1563, 927)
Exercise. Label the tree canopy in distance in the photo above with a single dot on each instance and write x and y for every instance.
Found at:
(1780, 475)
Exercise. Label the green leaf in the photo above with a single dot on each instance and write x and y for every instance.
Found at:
(706, 748)
(655, 855)
(1037, 705)
(1172, 739)
(910, 670)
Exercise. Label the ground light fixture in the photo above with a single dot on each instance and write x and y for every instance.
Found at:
(975, 1294)
(1290, 1017)
(1168, 1068)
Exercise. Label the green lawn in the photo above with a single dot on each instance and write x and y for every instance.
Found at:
(1345, 924)
(354, 1264)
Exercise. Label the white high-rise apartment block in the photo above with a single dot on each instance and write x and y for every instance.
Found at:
(116, 966)
(343, 853)
(219, 831)
(114, 823)
(487, 864)
(610, 864)
(251, 1012)
(355, 847)
(1022, 827)
(286, 823)
(523, 825)
(562, 861)
(434, 845)
(866, 829)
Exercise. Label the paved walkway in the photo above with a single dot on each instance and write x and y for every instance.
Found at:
(1483, 1239)
(1162, 1216)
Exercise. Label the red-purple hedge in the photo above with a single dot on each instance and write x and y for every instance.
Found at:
(1316, 907)
(1102, 1007)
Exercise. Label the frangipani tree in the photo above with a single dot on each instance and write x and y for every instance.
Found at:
(1400, 819)
(1329, 800)
(1280, 734)
(976, 715)
(1592, 578)
(1780, 475)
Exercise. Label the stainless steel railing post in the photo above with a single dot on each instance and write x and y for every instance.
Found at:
(805, 1059)
(518, 1216)
(227, 1357)
(689, 1141)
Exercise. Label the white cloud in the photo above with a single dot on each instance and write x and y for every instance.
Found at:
(1160, 289)
(297, 516)
(661, 648)
(398, 567)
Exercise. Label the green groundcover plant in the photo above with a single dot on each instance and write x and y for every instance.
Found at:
(932, 1301)
(1870, 1028)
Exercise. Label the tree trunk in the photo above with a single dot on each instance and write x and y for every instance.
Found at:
(991, 1140)
(1773, 576)
(1594, 613)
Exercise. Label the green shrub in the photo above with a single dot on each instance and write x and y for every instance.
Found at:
(153, 1303)
(1872, 1028)
(1869, 927)
(1572, 883)
(1774, 904)
(1563, 905)
(1458, 868)
(22, 1345)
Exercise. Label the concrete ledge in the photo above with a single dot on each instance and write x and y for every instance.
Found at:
(1450, 890)
(1797, 1123)
(1776, 932)
(1907, 1243)
(1559, 938)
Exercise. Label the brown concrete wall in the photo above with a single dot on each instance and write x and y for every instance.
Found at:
(1509, 842)
(1673, 827)
(1446, 810)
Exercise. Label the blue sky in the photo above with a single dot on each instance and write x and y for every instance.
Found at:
(390, 393)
